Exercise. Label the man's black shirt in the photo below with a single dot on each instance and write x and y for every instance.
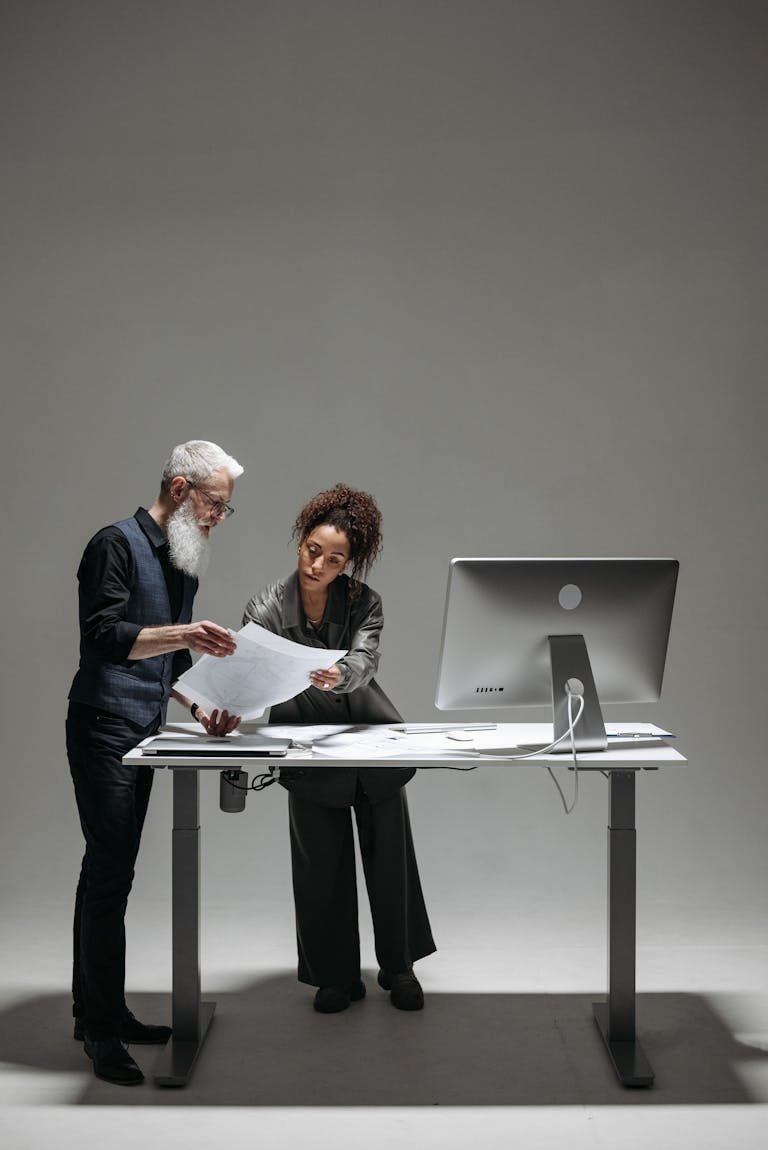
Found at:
(106, 578)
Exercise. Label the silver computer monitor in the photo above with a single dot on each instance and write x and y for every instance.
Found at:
(526, 632)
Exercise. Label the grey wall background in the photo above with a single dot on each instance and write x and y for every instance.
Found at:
(502, 264)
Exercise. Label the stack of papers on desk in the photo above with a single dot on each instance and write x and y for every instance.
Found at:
(305, 735)
(385, 743)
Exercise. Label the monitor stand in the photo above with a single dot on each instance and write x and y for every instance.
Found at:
(570, 661)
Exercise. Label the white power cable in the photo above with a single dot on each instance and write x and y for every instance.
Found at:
(573, 721)
(571, 724)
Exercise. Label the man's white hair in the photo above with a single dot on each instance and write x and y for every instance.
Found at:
(196, 460)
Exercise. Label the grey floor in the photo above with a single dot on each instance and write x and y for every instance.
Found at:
(504, 1053)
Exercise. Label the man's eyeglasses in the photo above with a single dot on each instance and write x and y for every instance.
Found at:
(219, 509)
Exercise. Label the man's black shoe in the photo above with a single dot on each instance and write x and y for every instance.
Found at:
(131, 1030)
(112, 1062)
(332, 999)
(404, 989)
(142, 1033)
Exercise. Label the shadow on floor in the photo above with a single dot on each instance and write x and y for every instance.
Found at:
(267, 1047)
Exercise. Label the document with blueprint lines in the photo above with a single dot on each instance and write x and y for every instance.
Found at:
(265, 669)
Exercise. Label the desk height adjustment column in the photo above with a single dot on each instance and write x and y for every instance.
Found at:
(191, 1018)
(616, 1017)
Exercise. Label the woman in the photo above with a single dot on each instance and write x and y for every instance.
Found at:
(321, 606)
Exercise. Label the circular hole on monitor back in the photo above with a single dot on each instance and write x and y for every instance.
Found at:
(569, 596)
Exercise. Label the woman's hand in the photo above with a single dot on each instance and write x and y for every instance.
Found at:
(326, 680)
(217, 723)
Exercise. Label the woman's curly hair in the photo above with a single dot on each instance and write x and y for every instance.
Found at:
(351, 511)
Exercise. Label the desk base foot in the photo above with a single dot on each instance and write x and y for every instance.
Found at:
(629, 1061)
(174, 1067)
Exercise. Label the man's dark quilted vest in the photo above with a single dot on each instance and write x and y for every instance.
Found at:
(136, 689)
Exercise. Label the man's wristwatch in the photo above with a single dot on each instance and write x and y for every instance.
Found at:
(194, 709)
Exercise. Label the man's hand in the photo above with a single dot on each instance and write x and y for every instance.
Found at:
(217, 723)
(205, 637)
(209, 639)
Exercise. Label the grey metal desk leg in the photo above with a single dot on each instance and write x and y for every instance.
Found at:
(191, 1017)
(616, 1017)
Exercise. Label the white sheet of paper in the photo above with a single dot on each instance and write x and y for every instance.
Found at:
(305, 735)
(382, 742)
(265, 669)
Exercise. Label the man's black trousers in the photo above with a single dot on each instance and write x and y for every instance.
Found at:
(112, 803)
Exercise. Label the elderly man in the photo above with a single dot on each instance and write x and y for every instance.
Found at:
(137, 582)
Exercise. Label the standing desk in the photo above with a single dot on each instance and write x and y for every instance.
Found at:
(615, 1016)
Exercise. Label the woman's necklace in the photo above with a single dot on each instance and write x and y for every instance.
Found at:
(314, 620)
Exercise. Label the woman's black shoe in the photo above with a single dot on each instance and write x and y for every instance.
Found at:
(332, 999)
(404, 989)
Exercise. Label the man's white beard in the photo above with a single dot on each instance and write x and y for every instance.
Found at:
(189, 548)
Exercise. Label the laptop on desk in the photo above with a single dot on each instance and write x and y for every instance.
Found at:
(244, 746)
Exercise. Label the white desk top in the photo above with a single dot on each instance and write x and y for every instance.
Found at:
(381, 746)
